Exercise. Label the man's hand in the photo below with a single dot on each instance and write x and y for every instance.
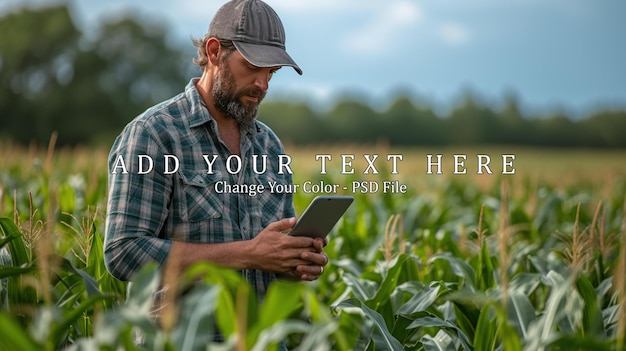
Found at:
(299, 257)
(317, 260)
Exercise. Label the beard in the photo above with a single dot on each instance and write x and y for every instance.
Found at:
(228, 99)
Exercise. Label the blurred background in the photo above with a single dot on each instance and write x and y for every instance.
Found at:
(405, 73)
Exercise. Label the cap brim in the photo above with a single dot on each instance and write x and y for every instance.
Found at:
(265, 55)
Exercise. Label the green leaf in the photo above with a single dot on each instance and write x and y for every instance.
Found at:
(388, 341)
(524, 283)
(70, 317)
(91, 286)
(349, 265)
(434, 321)
(19, 253)
(142, 288)
(467, 305)
(233, 287)
(282, 301)
(580, 343)
(13, 336)
(459, 267)
(363, 289)
(389, 283)
(5, 240)
(485, 272)
(486, 331)
(507, 334)
(441, 342)
(422, 300)
(195, 326)
(592, 316)
(315, 336)
(17, 294)
(521, 312)
(401, 330)
(10, 271)
(563, 309)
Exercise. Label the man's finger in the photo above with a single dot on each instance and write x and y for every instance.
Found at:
(318, 244)
(282, 225)
(315, 258)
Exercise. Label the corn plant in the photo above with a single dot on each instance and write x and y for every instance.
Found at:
(450, 265)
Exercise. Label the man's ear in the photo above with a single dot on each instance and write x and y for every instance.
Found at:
(213, 49)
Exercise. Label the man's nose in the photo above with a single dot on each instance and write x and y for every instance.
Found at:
(262, 79)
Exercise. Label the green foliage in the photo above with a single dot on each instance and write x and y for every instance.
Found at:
(414, 281)
(53, 78)
(468, 123)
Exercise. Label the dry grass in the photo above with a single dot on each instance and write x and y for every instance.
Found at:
(393, 231)
(556, 167)
(84, 234)
(620, 286)
(503, 237)
(578, 252)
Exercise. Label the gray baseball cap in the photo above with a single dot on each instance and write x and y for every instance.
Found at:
(255, 30)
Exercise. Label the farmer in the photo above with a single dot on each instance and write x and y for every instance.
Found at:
(209, 134)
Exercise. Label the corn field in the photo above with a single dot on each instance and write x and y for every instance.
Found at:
(533, 261)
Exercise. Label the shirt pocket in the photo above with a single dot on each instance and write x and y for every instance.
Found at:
(200, 200)
(270, 206)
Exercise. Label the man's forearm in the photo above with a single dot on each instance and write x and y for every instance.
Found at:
(270, 251)
(235, 255)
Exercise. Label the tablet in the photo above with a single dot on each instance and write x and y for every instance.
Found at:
(321, 216)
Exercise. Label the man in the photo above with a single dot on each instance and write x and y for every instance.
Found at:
(210, 136)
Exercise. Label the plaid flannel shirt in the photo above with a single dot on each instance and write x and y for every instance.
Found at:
(145, 212)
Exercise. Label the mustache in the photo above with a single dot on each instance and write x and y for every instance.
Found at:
(254, 92)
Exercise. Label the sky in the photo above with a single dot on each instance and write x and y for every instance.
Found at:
(553, 55)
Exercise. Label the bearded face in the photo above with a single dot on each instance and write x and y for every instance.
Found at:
(229, 100)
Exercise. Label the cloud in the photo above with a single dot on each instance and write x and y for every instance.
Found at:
(313, 92)
(453, 34)
(315, 6)
(306, 7)
(197, 9)
(390, 24)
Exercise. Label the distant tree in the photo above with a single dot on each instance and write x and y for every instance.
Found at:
(353, 121)
(513, 128)
(295, 123)
(405, 124)
(604, 129)
(557, 131)
(37, 52)
(471, 124)
(48, 82)
(140, 67)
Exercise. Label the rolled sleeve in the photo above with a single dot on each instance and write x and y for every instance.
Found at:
(137, 205)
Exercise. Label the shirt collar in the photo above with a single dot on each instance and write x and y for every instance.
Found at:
(200, 114)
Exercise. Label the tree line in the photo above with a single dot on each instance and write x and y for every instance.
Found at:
(405, 123)
(53, 78)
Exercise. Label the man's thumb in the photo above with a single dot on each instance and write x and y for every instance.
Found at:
(283, 224)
